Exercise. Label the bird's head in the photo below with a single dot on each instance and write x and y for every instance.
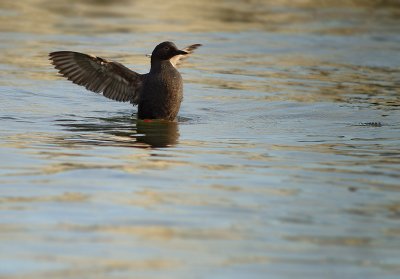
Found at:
(166, 51)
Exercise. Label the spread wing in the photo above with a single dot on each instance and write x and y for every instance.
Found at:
(112, 79)
(177, 60)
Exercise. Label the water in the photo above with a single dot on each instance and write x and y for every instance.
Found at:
(285, 160)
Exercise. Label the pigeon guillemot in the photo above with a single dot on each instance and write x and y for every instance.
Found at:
(158, 93)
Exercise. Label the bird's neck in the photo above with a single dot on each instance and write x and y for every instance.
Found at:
(158, 65)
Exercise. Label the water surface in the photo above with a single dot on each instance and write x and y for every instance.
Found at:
(284, 161)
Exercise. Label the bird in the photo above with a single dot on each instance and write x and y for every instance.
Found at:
(158, 93)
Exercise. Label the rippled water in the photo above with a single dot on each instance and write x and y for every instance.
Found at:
(285, 160)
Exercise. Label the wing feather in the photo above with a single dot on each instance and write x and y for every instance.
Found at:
(178, 59)
(112, 79)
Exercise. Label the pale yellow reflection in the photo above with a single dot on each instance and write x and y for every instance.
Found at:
(334, 240)
(164, 233)
(99, 267)
(66, 197)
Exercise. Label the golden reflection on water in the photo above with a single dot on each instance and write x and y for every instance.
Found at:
(162, 233)
(43, 16)
(66, 197)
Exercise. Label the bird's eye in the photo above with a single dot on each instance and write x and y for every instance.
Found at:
(166, 48)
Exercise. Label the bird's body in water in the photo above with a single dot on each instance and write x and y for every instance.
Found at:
(163, 91)
(158, 93)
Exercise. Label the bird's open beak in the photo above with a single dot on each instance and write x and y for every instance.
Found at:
(177, 52)
(181, 52)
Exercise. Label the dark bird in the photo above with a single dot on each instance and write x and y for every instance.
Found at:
(158, 93)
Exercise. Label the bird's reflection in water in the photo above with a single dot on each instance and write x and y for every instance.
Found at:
(157, 133)
(125, 131)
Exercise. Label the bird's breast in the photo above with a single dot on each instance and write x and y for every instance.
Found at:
(164, 84)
